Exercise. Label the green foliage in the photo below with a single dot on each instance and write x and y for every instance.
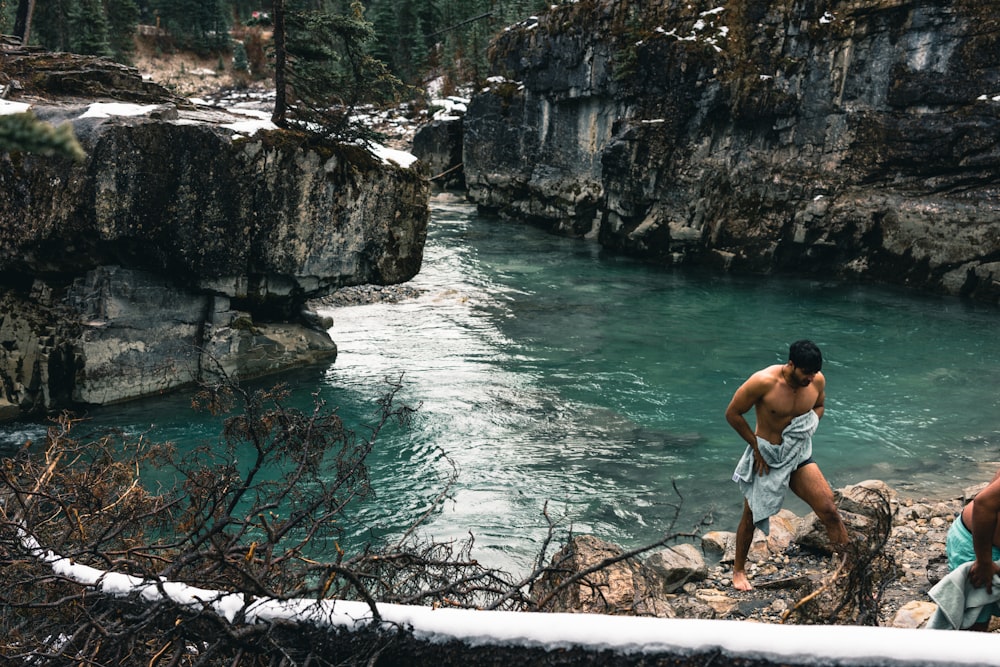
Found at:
(199, 25)
(404, 38)
(50, 26)
(24, 132)
(330, 72)
(122, 16)
(6, 16)
(88, 28)
(423, 39)
(416, 39)
(240, 61)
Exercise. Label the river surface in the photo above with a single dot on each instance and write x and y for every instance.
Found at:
(554, 375)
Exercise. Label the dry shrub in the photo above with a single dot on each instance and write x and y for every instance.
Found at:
(853, 593)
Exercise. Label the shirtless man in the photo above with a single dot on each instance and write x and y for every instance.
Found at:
(778, 394)
(975, 536)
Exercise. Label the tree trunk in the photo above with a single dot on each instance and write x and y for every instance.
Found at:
(280, 55)
(22, 21)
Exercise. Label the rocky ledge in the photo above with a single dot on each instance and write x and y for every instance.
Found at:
(689, 580)
(188, 241)
(852, 139)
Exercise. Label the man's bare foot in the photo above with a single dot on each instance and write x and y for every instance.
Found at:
(740, 581)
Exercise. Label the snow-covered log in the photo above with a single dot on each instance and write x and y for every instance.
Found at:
(496, 637)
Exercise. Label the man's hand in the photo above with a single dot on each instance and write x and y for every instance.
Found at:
(759, 464)
(981, 574)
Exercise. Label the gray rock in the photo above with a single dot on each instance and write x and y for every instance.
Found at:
(620, 588)
(180, 247)
(764, 138)
(438, 144)
(676, 565)
(866, 497)
(812, 536)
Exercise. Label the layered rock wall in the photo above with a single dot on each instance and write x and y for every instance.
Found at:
(186, 243)
(845, 138)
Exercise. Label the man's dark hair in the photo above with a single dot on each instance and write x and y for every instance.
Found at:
(805, 355)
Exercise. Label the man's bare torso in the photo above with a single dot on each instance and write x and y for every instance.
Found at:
(783, 400)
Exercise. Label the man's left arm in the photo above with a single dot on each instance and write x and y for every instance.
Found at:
(985, 512)
(820, 382)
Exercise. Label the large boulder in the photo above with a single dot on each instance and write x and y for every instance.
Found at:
(623, 587)
(677, 565)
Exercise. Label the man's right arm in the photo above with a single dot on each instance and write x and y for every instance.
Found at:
(745, 397)
(985, 512)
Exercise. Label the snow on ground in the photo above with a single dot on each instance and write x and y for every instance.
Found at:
(246, 121)
(402, 158)
(8, 107)
(450, 108)
(108, 109)
(822, 644)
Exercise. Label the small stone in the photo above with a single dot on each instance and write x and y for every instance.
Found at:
(914, 614)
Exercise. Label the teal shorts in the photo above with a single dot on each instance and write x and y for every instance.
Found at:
(958, 547)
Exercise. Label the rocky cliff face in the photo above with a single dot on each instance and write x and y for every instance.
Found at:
(186, 242)
(844, 138)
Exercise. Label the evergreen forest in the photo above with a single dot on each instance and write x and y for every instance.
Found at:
(415, 39)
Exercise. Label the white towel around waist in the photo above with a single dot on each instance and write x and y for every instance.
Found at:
(765, 494)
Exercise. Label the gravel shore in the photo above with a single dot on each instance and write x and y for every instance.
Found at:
(916, 545)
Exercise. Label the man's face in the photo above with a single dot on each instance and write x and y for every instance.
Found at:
(802, 378)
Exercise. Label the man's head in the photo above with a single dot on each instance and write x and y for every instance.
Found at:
(805, 356)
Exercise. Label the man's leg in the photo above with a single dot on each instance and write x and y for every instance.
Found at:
(809, 484)
(744, 537)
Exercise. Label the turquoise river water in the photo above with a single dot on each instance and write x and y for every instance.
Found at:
(551, 372)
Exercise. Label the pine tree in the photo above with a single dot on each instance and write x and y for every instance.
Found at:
(123, 16)
(323, 71)
(240, 61)
(25, 133)
(385, 24)
(50, 26)
(200, 25)
(23, 19)
(88, 28)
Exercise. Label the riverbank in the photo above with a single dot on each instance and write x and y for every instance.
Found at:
(916, 545)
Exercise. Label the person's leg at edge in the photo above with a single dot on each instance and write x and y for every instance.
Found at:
(744, 536)
(809, 484)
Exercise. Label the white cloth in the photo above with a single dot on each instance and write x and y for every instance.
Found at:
(959, 603)
(766, 494)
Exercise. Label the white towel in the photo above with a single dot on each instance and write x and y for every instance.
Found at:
(959, 603)
(766, 494)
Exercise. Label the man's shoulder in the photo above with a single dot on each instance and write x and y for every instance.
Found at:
(766, 377)
(771, 373)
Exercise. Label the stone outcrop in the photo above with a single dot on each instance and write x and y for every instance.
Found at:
(621, 586)
(438, 144)
(855, 139)
(187, 242)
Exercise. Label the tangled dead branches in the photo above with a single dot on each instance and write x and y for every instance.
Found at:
(853, 593)
(118, 551)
